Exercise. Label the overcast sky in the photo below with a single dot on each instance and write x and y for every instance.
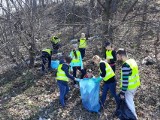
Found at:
(4, 4)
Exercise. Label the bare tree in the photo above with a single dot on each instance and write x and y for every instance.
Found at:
(73, 19)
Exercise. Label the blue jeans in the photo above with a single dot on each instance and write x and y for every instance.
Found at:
(112, 88)
(64, 89)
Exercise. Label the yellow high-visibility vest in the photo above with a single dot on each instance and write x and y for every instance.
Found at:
(109, 72)
(55, 41)
(74, 59)
(109, 54)
(48, 51)
(61, 74)
(134, 79)
(83, 43)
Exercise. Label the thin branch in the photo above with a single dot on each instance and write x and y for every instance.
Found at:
(156, 44)
(129, 10)
(101, 5)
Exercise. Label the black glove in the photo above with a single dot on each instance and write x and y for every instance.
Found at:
(122, 95)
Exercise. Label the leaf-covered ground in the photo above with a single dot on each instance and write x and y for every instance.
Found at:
(27, 95)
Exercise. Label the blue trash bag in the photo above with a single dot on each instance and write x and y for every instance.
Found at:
(54, 64)
(123, 112)
(89, 90)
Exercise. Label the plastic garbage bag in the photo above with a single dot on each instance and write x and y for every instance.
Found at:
(54, 64)
(124, 113)
(89, 90)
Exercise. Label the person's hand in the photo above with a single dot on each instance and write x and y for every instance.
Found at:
(122, 96)
(71, 72)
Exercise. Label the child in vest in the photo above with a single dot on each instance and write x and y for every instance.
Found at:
(62, 78)
(82, 44)
(46, 58)
(76, 63)
(110, 55)
(108, 77)
(55, 43)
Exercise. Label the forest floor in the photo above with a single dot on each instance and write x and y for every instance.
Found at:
(25, 94)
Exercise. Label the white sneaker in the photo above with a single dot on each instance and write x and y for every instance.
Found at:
(76, 86)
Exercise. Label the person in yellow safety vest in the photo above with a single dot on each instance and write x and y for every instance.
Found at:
(82, 44)
(62, 78)
(55, 43)
(110, 55)
(76, 63)
(108, 77)
(46, 57)
(130, 79)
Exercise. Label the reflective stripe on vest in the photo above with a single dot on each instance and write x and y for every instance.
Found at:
(109, 54)
(61, 74)
(134, 79)
(109, 71)
(82, 43)
(47, 50)
(55, 41)
(74, 59)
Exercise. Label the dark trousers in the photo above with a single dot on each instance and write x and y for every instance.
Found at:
(82, 51)
(83, 72)
(55, 48)
(112, 88)
(63, 89)
(46, 58)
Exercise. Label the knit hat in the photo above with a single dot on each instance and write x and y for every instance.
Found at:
(107, 44)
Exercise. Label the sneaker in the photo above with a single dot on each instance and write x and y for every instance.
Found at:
(76, 86)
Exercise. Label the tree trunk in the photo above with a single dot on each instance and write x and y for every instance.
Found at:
(34, 5)
(31, 55)
(65, 11)
(156, 46)
(89, 16)
(73, 19)
(142, 27)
